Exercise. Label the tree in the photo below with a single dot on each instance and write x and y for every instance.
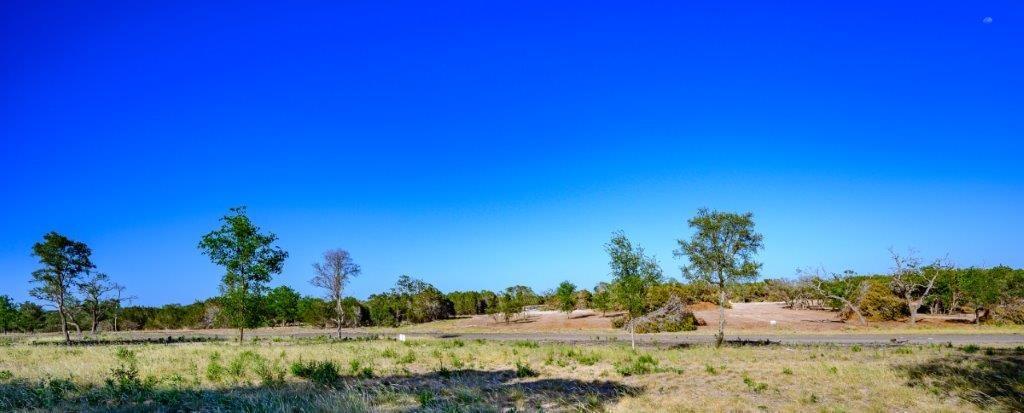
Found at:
(94, 291)
(313, 311)
(633, 274)
(983, 289)
(8, 314)
(602, 299)
(566, 297)
(249, 261)
(910, 282)
(283, 305)
(63, 261)
(721, 252)
(116, 301)
(512, 301)
(845, 288)
(332, 275)
(31, 317)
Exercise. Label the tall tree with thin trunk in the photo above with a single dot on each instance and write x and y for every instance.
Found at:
(633, 274)
(721, 252)
(249, 260)
(64, 262)
(116, 301)
(94, 291)
(332, 274)
(911, 283)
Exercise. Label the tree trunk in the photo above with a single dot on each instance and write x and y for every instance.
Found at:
(340, 311)
(64, 324)
(720, 338)
(913, 307)
(95, 320)
(977, 316)
(632, 335)
(856, 310)
(241, 334)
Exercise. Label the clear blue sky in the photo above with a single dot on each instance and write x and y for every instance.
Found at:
(483, 144)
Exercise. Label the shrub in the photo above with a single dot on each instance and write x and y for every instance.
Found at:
(214, 370)
(584, 358)
(319, 372)
(357, 369)
(1011, 312)
(641, 365)
(6, 375)
(524, 370)
(757, 387)
(879, 303)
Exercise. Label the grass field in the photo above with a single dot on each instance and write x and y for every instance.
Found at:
(452, 375)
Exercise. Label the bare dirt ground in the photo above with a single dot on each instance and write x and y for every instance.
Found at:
(742, 317)
(744, 322)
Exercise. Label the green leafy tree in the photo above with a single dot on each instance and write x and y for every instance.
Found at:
(721, 252)
(565, 295)
(983, 288)
(249, 261)
(633, 274)
(8, 314)
(313, 311)
(513, 300)
(31, 317)
(332, 274)
(602, 299)
(64, 262)
(283, 305)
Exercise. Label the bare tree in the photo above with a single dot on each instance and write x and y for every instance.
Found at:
(910, 283)
(118, 298)
(94, 289)
(332, 275)
(844, 288)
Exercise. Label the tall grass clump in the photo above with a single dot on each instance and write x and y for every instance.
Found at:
(319, 372)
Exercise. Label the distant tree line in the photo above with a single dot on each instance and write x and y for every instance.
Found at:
(720, 269)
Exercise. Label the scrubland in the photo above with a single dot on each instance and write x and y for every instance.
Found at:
(320, 374)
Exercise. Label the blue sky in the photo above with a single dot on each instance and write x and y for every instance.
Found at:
(478, 145)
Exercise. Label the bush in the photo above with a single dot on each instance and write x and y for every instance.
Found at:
(672, 317)
(524, 370)
(644, 364)
(880, 304)
(319, 372)
(1012, 312)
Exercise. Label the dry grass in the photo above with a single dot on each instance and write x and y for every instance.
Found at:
(454, 375)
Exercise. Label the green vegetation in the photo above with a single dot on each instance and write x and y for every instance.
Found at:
(721, 253)
(249, 261)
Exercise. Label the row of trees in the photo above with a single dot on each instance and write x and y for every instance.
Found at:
(720, 267)
(912, 289)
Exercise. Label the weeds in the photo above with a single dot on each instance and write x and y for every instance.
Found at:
(755, 386)
(644, 364)
(524, 370)
(320, 372)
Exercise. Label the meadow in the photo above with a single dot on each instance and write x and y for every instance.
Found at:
(321, 374)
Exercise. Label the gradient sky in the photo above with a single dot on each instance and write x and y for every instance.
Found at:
(484, 144)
